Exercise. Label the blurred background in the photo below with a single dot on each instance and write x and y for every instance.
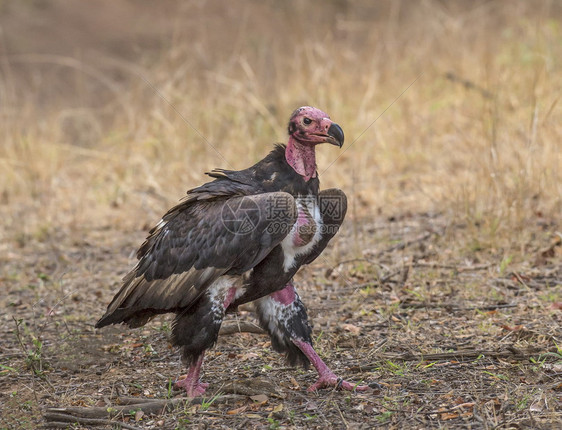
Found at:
(111, 110)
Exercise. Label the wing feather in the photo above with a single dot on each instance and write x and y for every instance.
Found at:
(196, 242)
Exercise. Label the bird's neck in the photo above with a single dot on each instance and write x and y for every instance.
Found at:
(302, 158)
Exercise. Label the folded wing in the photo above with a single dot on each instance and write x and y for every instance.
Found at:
(196, 242)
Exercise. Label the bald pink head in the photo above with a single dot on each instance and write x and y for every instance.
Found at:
(308, 127)
(311, 126)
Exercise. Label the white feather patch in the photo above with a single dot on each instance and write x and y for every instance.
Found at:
(290, 250)
(276, 314)
(217, 292)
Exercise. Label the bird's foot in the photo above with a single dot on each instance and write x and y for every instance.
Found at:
(329, 379)
(192, 387)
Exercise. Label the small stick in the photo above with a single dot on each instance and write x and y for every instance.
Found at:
(154, 406)
(401, 245)
(240, 327)
(466, 354)
(450, 307)
(452, 266)
(64, 420)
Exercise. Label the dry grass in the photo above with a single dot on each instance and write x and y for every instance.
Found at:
(91, 137)
(451, 112)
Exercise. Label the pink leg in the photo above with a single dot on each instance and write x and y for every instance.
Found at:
(191, 383)
(327, 377)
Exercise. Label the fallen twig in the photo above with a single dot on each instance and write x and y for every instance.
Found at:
(520, 279)
(330, 270)
(509, 352)
(462, 406)
(353, 260)
(64, 420)
(240, 327)
(376, 282)
(452, 266)
(133, 400)
(453, 308)
(400, 245)
(103, 415)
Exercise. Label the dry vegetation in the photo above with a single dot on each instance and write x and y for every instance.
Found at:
(452, 163)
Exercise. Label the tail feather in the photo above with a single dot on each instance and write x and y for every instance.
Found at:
(139, 300)
(131, 317)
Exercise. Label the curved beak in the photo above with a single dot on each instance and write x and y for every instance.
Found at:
(335, 135)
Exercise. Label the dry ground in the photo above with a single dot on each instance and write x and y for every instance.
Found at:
(456, 336)
(445, 283)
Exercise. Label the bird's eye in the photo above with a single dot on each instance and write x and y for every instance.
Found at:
(307, 121)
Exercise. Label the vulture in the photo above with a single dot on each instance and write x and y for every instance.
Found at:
(238, 239)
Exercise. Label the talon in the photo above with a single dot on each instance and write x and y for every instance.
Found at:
(327, 377)
(192, 388)
(339, 384)
(328, 380)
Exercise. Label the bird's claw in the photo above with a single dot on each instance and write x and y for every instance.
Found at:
(329, 379)
(193, 388)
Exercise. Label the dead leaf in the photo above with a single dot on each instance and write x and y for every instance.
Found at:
(260, 398)
(249, 355)
(464, 405)
(449, 416)
(237, 410)
(139, 415)
(553, 367)
(353, 329)
(295, 385)
(111, 347)
(311, 406)
(514, 328)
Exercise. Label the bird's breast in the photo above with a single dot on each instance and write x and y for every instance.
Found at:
(305, 228)
(305, 233)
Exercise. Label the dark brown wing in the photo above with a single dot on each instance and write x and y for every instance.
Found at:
(196, 242)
